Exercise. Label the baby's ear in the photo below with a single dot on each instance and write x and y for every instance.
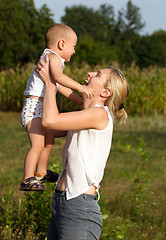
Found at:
(61, 44)
(106, 93)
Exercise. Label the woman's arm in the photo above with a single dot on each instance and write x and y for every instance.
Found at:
(91, 118)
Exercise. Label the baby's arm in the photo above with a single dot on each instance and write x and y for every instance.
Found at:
(70, 94)
(96, 118)
(59, 77)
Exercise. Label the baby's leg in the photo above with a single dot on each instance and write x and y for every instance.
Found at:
(44, 156)
(36, 133)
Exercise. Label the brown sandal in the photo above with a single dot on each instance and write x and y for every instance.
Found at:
(31, 184)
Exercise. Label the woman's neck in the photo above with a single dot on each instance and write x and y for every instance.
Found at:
(88, 103)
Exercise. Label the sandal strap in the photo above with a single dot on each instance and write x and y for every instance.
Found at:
(31, 181)
(31, 184)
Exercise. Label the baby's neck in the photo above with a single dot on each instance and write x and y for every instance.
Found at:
(55, 50)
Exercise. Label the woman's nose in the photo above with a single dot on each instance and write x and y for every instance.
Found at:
(90, 74)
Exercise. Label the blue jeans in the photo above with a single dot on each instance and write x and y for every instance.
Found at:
(74, 219)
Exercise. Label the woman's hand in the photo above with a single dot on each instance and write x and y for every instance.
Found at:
(43, 69)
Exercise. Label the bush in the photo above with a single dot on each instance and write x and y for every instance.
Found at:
(29, 217)
(13, 84)
(147, 88)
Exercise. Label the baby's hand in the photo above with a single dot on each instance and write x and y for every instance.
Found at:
(89, 92)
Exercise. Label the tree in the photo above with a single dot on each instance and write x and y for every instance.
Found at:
(129, 19)
(118, 36)
(98, 24)
(81, 19)
(94, 52)
(22, 30)
(106, 22)
(151, 50)
(127, 29)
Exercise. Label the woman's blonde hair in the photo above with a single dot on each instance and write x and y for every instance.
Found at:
(118, 84)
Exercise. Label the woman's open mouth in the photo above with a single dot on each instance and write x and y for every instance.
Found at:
(86, 82)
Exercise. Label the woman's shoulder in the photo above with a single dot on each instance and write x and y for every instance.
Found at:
(99, 116)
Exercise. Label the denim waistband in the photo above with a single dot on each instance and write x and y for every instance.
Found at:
(57, 193)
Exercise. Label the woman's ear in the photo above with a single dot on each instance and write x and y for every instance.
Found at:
(106, 93)
(61, 44)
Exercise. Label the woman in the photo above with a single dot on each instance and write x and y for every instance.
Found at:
(75, 211)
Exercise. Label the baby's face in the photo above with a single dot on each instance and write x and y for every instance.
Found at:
(69, 48)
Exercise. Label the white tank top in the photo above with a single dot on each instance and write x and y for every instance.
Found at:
(35, 85)
(84, 157)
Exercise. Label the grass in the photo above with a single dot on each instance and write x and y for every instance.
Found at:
(133, 192)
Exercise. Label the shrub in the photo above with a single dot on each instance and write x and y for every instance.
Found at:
(147, 88)
(29, 217)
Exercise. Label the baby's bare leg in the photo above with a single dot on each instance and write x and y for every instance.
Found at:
(36, 134)
(49, 142)
(44, 156)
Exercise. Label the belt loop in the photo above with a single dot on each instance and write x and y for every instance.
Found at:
(88, 196)
(84, 196)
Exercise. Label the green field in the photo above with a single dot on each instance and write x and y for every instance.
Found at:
(133, 191)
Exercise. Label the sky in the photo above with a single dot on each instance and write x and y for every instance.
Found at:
(153, 12)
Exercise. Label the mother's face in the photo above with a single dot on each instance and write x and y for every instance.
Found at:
(97, 80)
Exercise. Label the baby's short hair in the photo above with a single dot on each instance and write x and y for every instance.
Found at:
(56, 32)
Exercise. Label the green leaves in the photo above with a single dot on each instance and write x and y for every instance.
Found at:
(103, 35)
(22, 30)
